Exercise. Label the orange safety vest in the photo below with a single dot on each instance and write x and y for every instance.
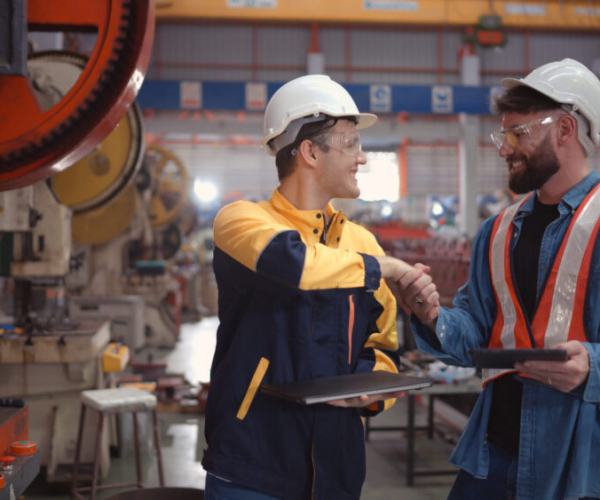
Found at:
(559, 315)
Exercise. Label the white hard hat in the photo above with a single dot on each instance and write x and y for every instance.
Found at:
(570, 83)
(305, 100)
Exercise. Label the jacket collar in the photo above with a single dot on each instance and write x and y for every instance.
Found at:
(306, 221)
(572, 198)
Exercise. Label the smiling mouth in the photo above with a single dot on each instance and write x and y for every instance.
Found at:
(514, 166)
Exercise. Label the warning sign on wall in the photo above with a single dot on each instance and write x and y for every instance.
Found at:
(256, 95)
(190, 95)
(380, 98)
(442, 99)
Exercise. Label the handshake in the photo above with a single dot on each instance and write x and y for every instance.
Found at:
(413, 288)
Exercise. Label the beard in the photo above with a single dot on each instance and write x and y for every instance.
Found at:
(536, 170)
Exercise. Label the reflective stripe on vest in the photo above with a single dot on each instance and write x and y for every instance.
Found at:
(503, 331)
(559, 315)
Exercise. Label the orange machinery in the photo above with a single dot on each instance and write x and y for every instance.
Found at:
(19, 460)
(37, 143)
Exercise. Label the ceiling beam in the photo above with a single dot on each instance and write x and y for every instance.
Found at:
(531, 14)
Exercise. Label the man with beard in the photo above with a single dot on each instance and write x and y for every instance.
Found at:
(535, 430)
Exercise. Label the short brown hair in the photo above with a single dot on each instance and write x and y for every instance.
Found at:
(286, 156)
(524, 100)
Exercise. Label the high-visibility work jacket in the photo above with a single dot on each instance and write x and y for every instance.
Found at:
(292, 308)
(559, 314)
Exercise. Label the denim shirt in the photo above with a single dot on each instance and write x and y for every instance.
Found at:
(559, 452)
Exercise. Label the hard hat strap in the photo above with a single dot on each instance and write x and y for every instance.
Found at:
(583, 128)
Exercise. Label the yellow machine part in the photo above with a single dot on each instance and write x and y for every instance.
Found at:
(170, 196)
(115, 358)
(104, 173)
(143, 386)
(188, 219)
(99, 226)
(93, 175)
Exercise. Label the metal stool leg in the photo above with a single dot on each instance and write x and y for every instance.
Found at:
(138, 459)
(78, 452)
(98, 453)
(430, 417)
(161, 476)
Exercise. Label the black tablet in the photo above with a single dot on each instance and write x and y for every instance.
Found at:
(321, 390)
(506, 358)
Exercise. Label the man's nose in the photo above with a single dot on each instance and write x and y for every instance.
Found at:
(361, 158)
(505, 149)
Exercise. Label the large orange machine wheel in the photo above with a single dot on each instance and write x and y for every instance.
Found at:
(34, 143)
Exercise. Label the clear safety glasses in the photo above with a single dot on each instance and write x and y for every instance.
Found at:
(345, 142)
(521, 135)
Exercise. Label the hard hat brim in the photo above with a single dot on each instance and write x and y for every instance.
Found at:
(510, 83)
(365, 120)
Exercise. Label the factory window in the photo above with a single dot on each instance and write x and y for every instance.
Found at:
(379, 178)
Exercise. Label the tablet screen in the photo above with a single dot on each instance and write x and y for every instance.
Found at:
(506, 358)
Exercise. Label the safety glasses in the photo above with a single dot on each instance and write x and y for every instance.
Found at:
(521, 135)
(345, 142)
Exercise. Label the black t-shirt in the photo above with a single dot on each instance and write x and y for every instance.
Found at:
(505, 415)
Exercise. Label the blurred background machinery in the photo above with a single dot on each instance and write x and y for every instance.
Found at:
(124, 242)
(59, 108)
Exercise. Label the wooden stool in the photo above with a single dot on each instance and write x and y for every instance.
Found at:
(116, 401)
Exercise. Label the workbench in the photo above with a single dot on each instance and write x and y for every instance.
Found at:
(470, 386)
(49, 371)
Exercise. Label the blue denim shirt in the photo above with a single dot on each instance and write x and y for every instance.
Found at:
(559, 452)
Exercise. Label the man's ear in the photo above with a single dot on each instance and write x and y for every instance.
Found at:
(567, 129)
(307, 151)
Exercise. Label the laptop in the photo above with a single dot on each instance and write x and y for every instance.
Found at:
(321, 390)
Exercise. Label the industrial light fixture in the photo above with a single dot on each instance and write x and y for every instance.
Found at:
(205, 191)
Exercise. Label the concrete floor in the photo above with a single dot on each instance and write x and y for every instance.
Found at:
(182, 439)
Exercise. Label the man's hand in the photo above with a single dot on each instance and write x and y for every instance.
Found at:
(364, 400)
(416, 293)
(413, 288)
(391, 268)
(562, 375)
